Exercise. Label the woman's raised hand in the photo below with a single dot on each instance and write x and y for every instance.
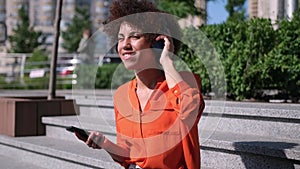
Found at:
(167, 52)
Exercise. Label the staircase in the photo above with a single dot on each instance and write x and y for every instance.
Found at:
(233, 135)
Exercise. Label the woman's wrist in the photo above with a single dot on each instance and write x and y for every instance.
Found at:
(167, 63)
(171, 74)
(105, 144)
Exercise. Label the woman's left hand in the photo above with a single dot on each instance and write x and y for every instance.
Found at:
(95, 140)
(167, 52)
(167, 62)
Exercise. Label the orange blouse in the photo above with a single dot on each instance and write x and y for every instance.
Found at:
(164, 134)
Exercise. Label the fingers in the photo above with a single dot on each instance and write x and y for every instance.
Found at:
(168, 42)
(95, 140)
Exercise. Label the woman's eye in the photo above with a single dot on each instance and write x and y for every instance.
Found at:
(136, 37)
(120, 38)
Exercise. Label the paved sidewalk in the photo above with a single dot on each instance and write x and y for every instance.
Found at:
(10, 163)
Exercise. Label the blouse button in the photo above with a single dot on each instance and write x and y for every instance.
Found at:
(175, 91)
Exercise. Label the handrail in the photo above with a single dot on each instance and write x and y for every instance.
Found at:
(14, 68)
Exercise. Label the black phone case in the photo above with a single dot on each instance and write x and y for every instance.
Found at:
(81, 132)
(158, 44)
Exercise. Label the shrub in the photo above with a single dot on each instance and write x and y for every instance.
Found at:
(41, 61)
(255, 57)
(108, 76)
(104, 76)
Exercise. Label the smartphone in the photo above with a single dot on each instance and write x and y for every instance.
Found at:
(158, 44)
(83, 133)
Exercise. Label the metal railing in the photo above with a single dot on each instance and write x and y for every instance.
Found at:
(16, 71)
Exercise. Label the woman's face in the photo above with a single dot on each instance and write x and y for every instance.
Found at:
(134, 48)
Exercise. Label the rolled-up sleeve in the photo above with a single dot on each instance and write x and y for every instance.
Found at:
(187, 101)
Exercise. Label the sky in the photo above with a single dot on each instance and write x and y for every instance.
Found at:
(216, 11)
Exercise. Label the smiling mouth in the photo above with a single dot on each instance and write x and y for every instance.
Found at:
(128, 56)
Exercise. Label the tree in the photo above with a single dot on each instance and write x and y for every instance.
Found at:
(184, 8)
(73, 34)
(236, 10)
(25, 39)
(180, 8)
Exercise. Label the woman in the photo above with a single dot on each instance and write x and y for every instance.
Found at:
(86, 47)
(158, 111)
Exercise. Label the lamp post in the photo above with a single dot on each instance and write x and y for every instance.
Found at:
(52, 81)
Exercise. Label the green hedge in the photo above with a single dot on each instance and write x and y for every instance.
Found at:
(107, 76)
(41, 82)
(255, 57)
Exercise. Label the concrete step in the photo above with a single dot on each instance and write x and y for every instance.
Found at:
(218, 106)
(56, 126)
(87, 93)
(92, 111)
(52, 153)
(48, 152)
(214, 108)
(231, 150)
(227, 149)
(9, 162)
(244, 118)
(232, 134)
(278, 123)
(96, 102)
(44, 152)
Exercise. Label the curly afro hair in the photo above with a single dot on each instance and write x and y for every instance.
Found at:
(144, 15)
(121, 8)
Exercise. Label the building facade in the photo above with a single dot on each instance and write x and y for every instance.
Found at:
(195, 20)
(42, 14)
(272, 9)
(11, 8)
(2, 23)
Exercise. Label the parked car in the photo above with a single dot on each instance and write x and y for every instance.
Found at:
(66, 66)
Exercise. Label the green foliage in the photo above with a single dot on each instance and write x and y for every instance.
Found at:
(38, 56)
(180, 8)
(42, 62)
(86, 75)
(36, 83)
(2, 81)
(255, 57)
(73, 34)
(245, 43)
(236, 10)
(25, 39)
(193, 40)
(120, 76)
(105, 77)
(280, 68)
